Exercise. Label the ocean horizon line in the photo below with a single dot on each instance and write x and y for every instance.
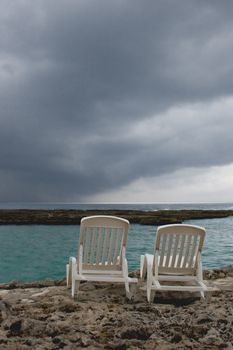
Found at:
(140, 206)
(111, 203)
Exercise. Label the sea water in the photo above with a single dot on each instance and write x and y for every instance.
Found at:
(35, 252)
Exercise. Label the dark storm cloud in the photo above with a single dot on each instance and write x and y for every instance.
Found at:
(76, 77)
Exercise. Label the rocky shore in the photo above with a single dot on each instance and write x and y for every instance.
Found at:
(72, 217)
(43, 316)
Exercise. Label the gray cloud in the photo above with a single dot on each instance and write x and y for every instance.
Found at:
(77, 78)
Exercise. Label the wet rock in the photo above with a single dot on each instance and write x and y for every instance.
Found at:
(145, 308)
(59, 342)
(136, 333)
(116, 346)
(176, 338)
(15, 328)
(208, 274)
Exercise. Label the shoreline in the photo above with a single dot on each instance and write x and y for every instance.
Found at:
(73, 216)
(209, 274)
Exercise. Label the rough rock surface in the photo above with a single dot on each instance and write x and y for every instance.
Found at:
(44, 316)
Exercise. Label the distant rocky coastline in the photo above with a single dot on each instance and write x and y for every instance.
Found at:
(73, 216)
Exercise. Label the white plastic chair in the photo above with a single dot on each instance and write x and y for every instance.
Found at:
(101, 253)
(177, 258)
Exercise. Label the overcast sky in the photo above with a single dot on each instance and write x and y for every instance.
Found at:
(116, 100)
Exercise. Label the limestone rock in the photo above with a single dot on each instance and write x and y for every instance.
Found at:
(46, 317)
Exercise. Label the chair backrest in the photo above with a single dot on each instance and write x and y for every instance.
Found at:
(177, 248)
(102, 238)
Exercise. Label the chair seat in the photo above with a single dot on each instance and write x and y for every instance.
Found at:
(105, 278)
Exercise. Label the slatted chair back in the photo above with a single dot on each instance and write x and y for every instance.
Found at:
(102, 238)
(177, 248)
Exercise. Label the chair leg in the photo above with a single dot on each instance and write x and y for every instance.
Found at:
(152, 295)
(200, 274)
(125, 275)
(127, 291)
(75, 288)
(148, 294)
(202, 294)
(68, 275)
(148, 286)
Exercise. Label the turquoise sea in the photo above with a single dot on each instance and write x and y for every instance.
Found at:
(35, 252)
